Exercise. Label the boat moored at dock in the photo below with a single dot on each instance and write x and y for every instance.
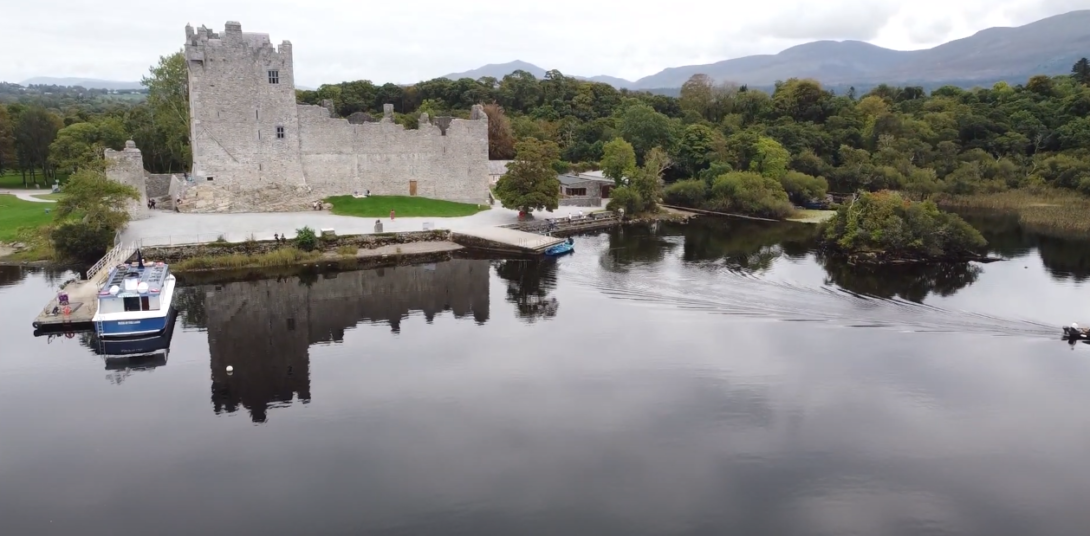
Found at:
(136, 300)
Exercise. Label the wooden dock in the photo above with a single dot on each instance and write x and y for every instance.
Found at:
(505, 239)
(82, 297)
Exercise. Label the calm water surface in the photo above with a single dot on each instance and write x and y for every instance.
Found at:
(716, 378)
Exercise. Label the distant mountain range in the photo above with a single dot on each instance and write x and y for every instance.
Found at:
(1049, 46)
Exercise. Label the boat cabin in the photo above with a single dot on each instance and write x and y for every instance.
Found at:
(130, 288)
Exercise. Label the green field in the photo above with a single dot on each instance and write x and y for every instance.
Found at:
(51, 197)
(16, 213)
(404, 207)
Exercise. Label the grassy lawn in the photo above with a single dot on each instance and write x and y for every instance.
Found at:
(404, 206)
(811, 216)
(16, 213)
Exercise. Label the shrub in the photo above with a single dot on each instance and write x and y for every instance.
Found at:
(886, 222)
(802, 188)
(746, 192)
(626, 198)
(688, 193)
(81, 242)
(306, 239)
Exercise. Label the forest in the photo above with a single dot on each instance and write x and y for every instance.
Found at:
(951, 140)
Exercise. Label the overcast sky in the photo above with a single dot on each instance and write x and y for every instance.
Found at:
(404, 42)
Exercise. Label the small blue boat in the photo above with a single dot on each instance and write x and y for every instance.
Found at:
(562, 248)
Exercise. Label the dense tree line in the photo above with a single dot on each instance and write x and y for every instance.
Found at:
(47, 132)
(801, 135)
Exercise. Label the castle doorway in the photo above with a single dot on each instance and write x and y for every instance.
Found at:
(412, 187)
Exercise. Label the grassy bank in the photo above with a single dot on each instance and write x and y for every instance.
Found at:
(16, 213)
(1061, 213)
(404, 207)
(281, 257)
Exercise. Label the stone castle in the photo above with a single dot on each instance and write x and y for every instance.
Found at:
(256, 149)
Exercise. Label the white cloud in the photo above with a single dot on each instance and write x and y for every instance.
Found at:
(337, 40)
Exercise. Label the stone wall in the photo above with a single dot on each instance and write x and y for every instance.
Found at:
(254, 148)
(127, 167)
(594, 202)
(171, 254)
(157, 185)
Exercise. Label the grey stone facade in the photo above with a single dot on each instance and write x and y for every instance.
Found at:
(127, 167)
(255, 148)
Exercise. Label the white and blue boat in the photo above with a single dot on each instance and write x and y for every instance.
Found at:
(136, 300)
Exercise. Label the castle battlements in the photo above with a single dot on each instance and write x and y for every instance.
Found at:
(249, 134)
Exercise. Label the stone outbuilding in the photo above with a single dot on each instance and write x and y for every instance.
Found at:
(584, 189)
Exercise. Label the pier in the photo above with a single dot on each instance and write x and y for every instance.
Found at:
(82, 296)
(504, 239)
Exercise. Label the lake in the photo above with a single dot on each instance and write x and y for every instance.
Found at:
(711, 378)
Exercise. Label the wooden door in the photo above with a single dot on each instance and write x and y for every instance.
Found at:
(605, 191)
(412, 187)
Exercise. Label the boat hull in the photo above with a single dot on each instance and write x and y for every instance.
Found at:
(132, 327)
(1072, 334)
(560, 249)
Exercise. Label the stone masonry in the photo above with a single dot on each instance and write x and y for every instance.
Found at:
(127, 167)
(256, 149)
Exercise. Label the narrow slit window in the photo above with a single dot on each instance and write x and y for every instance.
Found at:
(274, 77)
(280, 132)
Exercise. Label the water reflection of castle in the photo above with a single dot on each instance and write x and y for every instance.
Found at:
(264, 328)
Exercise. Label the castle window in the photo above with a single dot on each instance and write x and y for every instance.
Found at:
(274, 77)
(280, 132)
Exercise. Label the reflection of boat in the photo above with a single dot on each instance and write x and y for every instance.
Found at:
(1073, 333)
(136, 352)
(135, 300)
(562, 248)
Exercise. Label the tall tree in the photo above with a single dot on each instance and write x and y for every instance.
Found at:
(618, 161)
(1081, 71)
(7, 141)
(530, 182)
(164, 141)
(501, 142)
(35, 130)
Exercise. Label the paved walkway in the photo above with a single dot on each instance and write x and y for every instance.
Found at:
(165, 228)
(28, 195)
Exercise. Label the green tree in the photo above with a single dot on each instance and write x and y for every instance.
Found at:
(647, 180)
(645, 128)
(7, 141)
(92, 210)
(1081, 71)
(162, 132)
(531, 182)
(35, 130)
(746, 192)
(769, 158)
(81, 145)
(886, 223)
(618, 161)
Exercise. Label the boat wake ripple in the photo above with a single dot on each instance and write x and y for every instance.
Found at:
(720, 290)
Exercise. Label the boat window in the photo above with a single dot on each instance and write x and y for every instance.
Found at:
(132, 304)
(144, 303)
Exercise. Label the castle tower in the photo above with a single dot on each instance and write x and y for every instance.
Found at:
(127, 167)
(244, 125)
